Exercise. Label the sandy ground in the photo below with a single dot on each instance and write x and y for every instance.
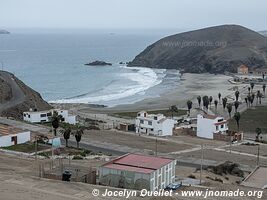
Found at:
(18, 182)
(192, 85)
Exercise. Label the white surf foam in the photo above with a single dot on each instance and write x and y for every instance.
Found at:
(144, 78)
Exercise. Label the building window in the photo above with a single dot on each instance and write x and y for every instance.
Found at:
(222, 126)
(217, 128)
(141, 121)
(49, 114)
(152, 129)
(43, 115)
(155, 118)
(150, 123)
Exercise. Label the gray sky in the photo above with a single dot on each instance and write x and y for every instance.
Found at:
(132, 13)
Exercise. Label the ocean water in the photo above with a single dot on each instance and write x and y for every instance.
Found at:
(52, 63)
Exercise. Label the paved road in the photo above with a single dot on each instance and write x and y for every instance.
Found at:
(18, 96)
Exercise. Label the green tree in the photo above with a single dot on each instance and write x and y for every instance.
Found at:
(229, 109)
(78, 136)
(199, 100)
(189, 106)
(219, 96)
(210, 100)
(252, 84)
(246, 100)
(173, 109)
(237, 117)
(216, 104)
(237, 95)
(66, 134)
(236, 104)
(224, 102)
(206, 102)
(55, 120)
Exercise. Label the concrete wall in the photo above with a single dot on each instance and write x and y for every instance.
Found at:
(161, 178)
(123, 179)
(205, 127)
(23, 137)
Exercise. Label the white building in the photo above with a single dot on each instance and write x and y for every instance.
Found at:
(154, 124)
(209, 124)
(12, 136)
(133, 171)
(45, 116)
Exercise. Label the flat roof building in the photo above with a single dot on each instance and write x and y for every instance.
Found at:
(10, 135)
(134, 171)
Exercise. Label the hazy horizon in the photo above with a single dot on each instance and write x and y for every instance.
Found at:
(131, 14)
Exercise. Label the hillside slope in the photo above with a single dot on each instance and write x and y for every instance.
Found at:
(215, 50)
(16, 97)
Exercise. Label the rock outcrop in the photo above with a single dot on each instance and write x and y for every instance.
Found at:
(215, 50)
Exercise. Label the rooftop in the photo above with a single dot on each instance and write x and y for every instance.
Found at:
(8, 130)
(138, 163)
(207, 116)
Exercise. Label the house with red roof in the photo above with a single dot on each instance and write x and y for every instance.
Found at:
(134, 171)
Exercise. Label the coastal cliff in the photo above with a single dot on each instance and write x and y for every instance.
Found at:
(16, 97)
(214, 50)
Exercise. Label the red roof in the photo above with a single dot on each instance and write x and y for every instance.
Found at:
(209, 116)
(129, 168)
(138, 163)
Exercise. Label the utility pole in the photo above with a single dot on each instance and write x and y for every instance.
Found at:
(36, 146)
(258, 155)
(156, 145)
(201, 164)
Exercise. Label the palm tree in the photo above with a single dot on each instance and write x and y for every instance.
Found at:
(252, 99)
(236, 104)
(258, 132)
(216, 104)
(173, 109)
(260, 97)
(199, 100)
(246, 100)
(252, 85)
(264, 88)
(78, 136)
(189, 106)
(224, 102)
(229, 109)
(55, 122)
(206, 102)
(66, 134)
(237, 117)
(219, 96)
(210, 100)
(237, 95)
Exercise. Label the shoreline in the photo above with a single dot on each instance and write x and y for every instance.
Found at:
(191, 86)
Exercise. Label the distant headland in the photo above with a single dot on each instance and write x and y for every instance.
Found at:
(4, 31)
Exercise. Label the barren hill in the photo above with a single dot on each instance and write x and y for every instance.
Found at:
(16, 97)
(215, 50)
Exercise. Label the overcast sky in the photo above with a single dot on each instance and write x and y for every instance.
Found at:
(163, 14)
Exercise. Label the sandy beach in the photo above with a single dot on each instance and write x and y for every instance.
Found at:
(192, 85)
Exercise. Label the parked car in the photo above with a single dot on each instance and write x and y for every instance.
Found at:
(173, 186)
